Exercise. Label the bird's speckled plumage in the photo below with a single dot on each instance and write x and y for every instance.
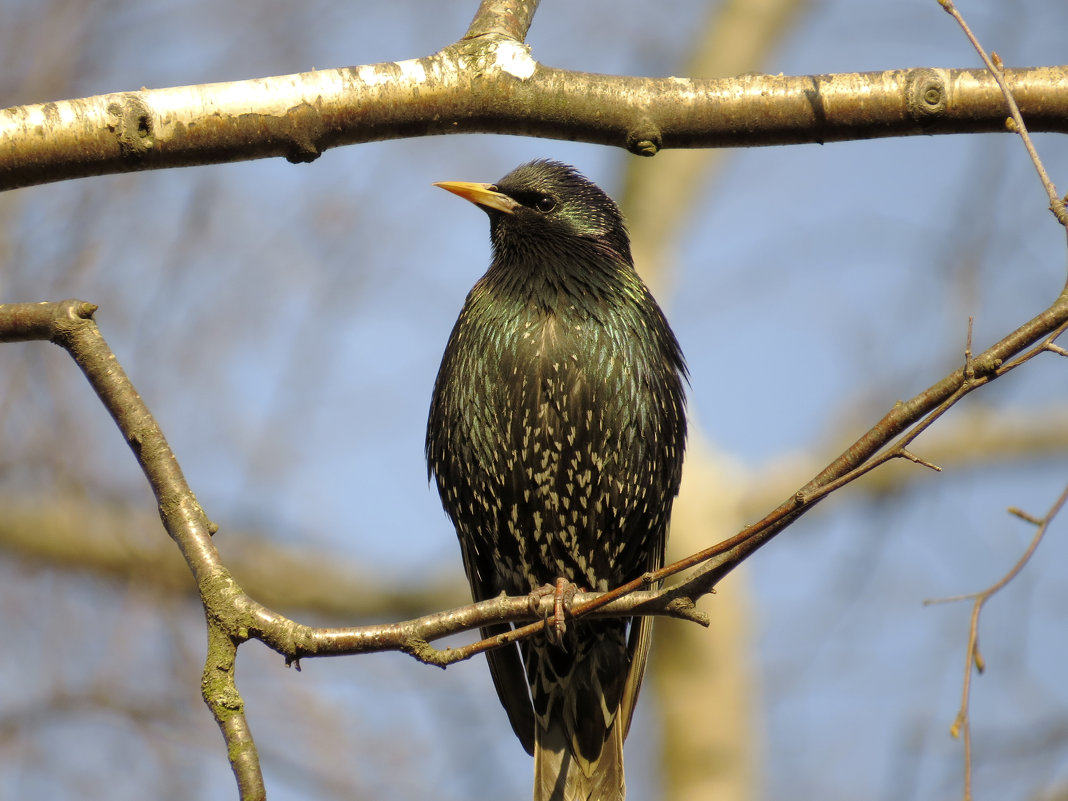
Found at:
(556, 436)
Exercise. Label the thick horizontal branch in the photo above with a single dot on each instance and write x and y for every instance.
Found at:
(489, 83)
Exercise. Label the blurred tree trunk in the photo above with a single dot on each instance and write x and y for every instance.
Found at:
(703, 684)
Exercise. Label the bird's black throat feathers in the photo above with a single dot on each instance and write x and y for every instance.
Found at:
(572, 257)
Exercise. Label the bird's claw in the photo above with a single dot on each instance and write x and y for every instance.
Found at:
(562, 593)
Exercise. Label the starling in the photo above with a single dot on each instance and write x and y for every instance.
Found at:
(556, 437)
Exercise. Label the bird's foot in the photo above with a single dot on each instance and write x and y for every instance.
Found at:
(562, 593)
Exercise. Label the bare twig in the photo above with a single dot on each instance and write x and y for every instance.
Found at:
(997, 70)
(973, 655)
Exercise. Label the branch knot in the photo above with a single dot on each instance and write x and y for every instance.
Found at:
(925, 95)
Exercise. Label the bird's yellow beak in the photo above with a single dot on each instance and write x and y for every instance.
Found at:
(484, 195)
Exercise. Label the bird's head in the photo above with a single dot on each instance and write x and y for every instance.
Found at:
(550, 212)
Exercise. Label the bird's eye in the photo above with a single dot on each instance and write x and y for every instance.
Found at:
(535, 200)
(545, 204)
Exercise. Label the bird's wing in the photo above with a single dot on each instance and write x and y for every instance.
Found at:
(510, 679)
(638, 644)
(505, 664)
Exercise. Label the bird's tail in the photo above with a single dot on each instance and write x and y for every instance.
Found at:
(582, 704)
(561, 774)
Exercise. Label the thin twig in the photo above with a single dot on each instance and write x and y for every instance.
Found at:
(997, 70)
(973, 656)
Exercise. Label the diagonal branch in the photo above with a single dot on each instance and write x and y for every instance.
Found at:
(874, 448)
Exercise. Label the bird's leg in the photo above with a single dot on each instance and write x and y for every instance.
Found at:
(562, 592)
